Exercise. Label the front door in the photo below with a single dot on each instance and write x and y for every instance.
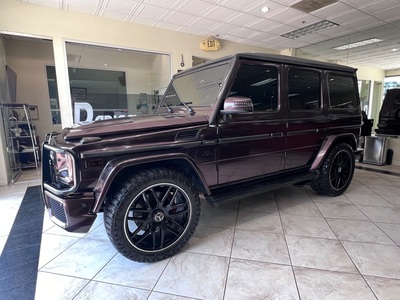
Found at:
(252, 144)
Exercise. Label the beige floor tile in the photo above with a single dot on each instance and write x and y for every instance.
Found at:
(52, 246)
(163, 296)
(303, 207)
(371, 199)
(392, 231)
(319, 284)
(358, 231)
(100, 290)
(83, 259)
(258, 280)
(381, 214)
(375, 260)
(306, 226)
(260, 203)
(211, 240)
(195, 276)
(217, 217)
(58, 287)
(384, 288)
(321, 254)
(259, 221)
(260, 246)
(122, 271)
(340, 211)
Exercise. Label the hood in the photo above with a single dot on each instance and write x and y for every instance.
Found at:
(124, 126)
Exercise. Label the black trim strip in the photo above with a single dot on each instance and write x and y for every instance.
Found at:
(20, 257)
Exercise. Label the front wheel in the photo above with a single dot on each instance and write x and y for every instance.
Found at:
(152, 215)
(337, 171)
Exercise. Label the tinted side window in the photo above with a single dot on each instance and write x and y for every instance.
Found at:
(304, 89)
(258, 82)
(342, 91)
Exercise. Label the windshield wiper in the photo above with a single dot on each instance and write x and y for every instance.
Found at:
(190, 110)
(168, 108)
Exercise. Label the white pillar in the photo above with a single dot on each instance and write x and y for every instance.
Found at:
(63, 87)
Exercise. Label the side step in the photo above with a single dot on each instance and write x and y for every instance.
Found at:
(234, 192)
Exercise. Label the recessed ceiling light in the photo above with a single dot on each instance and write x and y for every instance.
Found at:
(395, 49)
(264, 9)
(358, 44)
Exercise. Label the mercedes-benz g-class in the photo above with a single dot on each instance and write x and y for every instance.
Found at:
(223, 131)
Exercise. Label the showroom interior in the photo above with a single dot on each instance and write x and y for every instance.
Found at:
(68, 61)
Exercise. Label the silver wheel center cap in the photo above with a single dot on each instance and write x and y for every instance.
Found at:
(339, 169)
(159, 216)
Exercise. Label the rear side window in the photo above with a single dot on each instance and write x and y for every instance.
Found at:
(342, 91)
(304, 89)
(258, 82)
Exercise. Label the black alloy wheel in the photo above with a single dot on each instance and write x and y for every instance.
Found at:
(152, 215)
(336, 171)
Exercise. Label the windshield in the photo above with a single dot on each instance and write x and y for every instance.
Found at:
(199, 88)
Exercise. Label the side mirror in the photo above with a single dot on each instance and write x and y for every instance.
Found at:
(237, 104)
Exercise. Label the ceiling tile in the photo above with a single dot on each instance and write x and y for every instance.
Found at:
(179, 18)
(220, 13)
(197, 7)
(347, 16)
(152, 12)
(286, 15)
(264, 25)
(242, 19)
(123, 6)
(389, 15)
(114, 15)
(280, 29)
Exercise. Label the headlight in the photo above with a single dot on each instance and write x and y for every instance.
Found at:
(64, 168)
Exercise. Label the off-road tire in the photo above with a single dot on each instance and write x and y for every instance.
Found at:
(336, 172)
(152, 214)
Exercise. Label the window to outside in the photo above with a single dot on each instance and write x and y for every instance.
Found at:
(342, 91)
(110, 83)
(258, 82)
(304, 89)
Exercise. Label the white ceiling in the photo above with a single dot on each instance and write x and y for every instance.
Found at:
(242, 21)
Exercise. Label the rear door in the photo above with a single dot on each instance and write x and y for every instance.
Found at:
(252, 144)
(306, 117)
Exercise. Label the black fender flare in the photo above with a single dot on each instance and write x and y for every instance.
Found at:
(328, 143)
(115, 166)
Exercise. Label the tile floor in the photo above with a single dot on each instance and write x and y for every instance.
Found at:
(287, 244)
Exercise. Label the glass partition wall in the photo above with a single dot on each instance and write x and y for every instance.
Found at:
(110, 82)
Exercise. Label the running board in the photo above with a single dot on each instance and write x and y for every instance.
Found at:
(234, 192)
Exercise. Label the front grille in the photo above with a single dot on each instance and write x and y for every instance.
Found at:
(57, 210)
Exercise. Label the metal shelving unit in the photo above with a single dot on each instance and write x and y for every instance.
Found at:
(22, 143)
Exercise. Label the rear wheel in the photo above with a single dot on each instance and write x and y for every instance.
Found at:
(337, 171)
(152, 215)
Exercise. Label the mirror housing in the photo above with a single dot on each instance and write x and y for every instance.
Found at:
(237, 105)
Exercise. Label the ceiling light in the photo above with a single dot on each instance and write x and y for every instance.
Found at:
(358, 44)
(264, 9)
(295, 34)
(395, 49)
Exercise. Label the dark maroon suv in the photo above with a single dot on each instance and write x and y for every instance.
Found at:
(224, 130)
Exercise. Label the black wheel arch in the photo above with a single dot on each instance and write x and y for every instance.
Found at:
(330, 142)
(120, 167)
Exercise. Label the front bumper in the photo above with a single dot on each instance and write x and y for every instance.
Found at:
(71, 214)
(67, 207)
